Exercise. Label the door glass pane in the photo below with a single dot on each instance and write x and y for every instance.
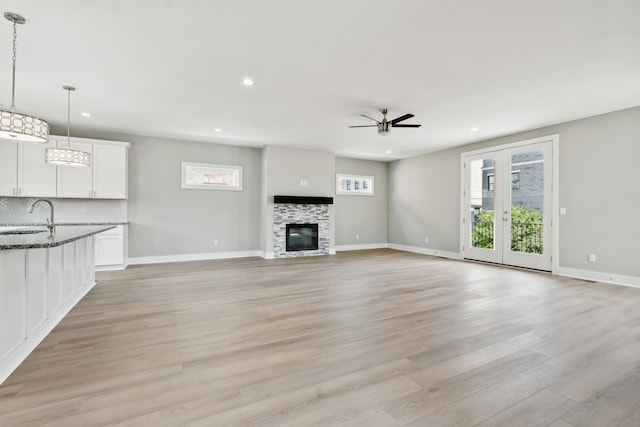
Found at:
(482, 188)
(527, 201)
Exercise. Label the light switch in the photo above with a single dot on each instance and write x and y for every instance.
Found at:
(563, 211)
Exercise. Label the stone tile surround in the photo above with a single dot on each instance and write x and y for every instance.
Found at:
(287, 213)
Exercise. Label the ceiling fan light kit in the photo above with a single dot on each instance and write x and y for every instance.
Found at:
(16, 126)
(384, 126)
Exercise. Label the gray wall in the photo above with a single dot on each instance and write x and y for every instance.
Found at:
(168, 220)
(598, 186)
(283, 169)
(365, 216)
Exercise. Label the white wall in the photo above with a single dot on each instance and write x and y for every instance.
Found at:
(599, 175)
(365, 216)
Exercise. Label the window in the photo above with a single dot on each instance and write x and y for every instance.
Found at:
(356, 185)
(515, 180)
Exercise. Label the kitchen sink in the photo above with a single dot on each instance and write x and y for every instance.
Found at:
(22, 229)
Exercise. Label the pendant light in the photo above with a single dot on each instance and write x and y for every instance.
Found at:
(68, 156)
(16, 126)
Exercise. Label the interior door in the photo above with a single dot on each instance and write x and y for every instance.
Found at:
(507, 199)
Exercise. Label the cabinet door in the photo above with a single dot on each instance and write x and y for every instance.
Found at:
(55, 280)
(73, 181)
(36, 178)
(8, 168)
(109, 249)
(89, 267)
(109, 172)
(36, 289)
(79, 280)
(12, 301)
(68, 271)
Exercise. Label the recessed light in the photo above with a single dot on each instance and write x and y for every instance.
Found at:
(247, 82)
(474, 129)
(388, 151)
(85, 114)
(217, 130)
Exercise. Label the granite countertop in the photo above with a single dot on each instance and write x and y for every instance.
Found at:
(64, 234)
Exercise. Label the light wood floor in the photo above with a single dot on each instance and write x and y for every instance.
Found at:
(368, 338)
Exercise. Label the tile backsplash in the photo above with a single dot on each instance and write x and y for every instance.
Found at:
(13, 210)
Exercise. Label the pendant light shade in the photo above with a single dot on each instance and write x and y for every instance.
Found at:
(17, 126)
(68, 156)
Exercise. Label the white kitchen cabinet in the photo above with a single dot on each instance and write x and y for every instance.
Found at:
(75, 181)
(109, 171)
(106, 178)
(38, 287)
(68, 271)
(24, 172)
(36, 177)
(55, 280)
(8, 168)
(13, 308)
(109, 249)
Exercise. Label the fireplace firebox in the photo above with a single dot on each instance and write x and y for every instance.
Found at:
(302, 237)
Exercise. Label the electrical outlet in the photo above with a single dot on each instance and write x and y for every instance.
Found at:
(563, 211)
(592, 257)
(84, 209)
(215, 243)
(357, 237)
(426, 240)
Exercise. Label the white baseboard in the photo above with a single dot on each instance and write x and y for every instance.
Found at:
(267, 254)
(341, 248)
(597, 276)
(111, 267)
(426, 251)
(191, 257)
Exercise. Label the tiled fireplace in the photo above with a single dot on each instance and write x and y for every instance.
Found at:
(302, 214)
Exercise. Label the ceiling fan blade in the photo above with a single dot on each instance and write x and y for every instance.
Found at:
(363, 126)
(406, 126)
(401, 118)
(370, 118)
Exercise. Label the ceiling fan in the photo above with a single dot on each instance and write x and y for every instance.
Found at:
(384, 126)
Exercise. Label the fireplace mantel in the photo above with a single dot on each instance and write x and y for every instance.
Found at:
(303, 200)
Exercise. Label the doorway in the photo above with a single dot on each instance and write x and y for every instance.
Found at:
(508, 204)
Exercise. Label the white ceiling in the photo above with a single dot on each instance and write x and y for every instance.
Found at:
(173, 68)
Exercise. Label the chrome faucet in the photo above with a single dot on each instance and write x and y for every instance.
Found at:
(50, 224)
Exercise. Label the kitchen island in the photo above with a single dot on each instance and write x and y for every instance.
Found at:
(41, 278)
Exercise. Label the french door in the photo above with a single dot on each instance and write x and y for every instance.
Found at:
(507, 205)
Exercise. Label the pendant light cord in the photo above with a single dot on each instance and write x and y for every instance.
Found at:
(13, 84)
(69, 117)
(68, 89)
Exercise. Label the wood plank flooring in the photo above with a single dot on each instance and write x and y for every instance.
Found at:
(365, 338)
